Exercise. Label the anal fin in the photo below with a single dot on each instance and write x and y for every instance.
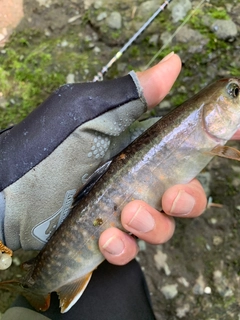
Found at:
(39, 301)
(70, 293)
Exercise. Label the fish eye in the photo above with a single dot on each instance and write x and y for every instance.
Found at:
(233, 89)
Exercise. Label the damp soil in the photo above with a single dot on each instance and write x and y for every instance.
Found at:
(199, 267)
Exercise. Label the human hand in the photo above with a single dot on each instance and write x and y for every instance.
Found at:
(139, 218)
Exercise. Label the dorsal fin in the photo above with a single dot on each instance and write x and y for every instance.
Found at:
(85, 189)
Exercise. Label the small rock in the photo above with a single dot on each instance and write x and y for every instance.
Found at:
(154, 39)
(114, 21)
(183, 281)
(88, 3)
(221, 284)
(101, 16)
(199, 286)
(121, 66)
(179, 9)
(70, 78)
(72, 19)
(169, 291)
(97, 4)
(208, 290)
(97, 50)
(188, 35)
(146, 9)
(217, 240)
(182, 311)
(142, 245)
(3, 101)
(224, 29)
(16, 261)
(64, 43)
(160, 259)
(45, 3)
(166, 37)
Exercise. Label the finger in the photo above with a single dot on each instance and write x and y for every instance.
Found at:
(117, 246)
(187, 200)
(147, 223)
(236, 136)
(158, 80)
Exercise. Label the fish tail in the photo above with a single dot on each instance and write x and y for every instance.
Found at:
(39, 301)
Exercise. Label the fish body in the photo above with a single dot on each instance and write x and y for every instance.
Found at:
(173, 151)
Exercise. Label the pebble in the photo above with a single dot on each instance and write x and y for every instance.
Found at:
(199, 286)
(154, 39)
(70, 78)
(182, 311)
(64, 43)
(160, 259)
(45, 3)
(183, 281)
(179, 9)
(217, 240)
(146, 9)
(170, 291)
(208, 290)
(188, 35)
(5, 261)
(114, 20)
(72, 19)
(101, 16)
(142, 245)
(224, 29)
(221, 284)
(166, 37)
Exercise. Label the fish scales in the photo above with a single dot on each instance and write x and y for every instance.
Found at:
(174, 150)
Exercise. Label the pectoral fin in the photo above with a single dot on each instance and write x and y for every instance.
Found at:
(70, 293)
(225, 152)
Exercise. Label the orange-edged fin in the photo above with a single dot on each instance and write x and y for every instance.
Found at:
(225, 152)
(39, 301)
(70, 293)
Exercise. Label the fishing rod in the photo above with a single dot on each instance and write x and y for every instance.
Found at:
(99, 76)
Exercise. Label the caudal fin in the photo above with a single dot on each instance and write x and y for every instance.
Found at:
(39, 301)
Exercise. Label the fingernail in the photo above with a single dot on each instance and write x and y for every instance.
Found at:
(142, 221)
(167, 57)
(114, 246)
(183, 204)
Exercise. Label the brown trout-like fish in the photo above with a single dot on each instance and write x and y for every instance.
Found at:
(174, 150)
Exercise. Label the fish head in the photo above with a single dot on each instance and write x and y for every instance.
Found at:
(221, 109)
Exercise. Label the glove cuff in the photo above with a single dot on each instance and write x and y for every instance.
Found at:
(138, 86)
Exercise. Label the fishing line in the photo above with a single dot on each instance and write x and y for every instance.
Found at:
(174, 34)
(100, 74)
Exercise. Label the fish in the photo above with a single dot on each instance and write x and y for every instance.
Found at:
(172, 151)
